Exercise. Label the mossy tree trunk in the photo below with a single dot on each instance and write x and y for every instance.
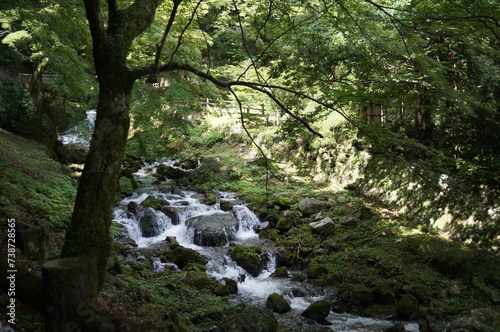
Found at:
(89, 231)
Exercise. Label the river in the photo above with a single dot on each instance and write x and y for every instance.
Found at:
(252, 290)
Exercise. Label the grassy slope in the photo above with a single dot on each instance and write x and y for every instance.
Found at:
(34, 189)
(33, 186)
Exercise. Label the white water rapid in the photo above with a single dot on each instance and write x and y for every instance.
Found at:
(253, 290)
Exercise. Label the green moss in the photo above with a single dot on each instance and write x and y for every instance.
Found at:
(33, 186)
(247, 258)
(189, 296)
(153, 202)
(125, 186)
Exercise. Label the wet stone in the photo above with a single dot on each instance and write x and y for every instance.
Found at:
(213, 230)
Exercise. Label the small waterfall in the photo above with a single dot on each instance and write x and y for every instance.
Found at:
(248, 220)
(80, 134)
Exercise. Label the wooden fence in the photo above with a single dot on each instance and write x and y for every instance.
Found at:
(26, 78)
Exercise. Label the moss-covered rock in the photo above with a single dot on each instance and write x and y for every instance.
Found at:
(287, 220)
(277, 303)
(132, 163)
(153, 202)
(226, 205)
(200, 280)
(231, 285)
(252, 319)
(221, 290)
(209, 199)
(182, 257)
(125, 186)
(384, 293)
(363, 295)
(316, 270)
(407, 308)
(318, 311)
(171, 172)
(281, 272)
(247, 258)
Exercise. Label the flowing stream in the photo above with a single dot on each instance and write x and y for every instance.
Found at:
(185, 204)
(252, 290)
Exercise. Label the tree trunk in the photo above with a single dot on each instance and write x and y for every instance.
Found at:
(89, 232)
(424, 124)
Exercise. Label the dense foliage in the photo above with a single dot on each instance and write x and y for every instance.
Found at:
(428, 70)
(16, 110)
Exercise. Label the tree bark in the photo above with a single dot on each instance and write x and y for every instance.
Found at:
(89, 232)
(424, 124)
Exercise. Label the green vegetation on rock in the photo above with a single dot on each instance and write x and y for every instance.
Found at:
(33, 187)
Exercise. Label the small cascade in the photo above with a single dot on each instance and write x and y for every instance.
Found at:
(159, 266)
(81, 134)
(184, 208)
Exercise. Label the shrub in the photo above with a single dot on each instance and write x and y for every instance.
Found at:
(16, 110)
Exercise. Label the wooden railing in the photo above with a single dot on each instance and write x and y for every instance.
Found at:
(26, 78)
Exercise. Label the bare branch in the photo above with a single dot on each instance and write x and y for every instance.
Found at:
(264, 88)
(179, 40)
(242, 120)
(159, 46)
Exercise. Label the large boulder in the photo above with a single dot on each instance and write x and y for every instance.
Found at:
(248, 259)
(213, 229)
(477, 320)
(324, 227)
(318, 311)
(312, 205)
(170, 172)
(277, 303)
(183, 257)
(148, 223)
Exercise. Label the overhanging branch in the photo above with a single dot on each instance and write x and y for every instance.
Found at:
(263, 88)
